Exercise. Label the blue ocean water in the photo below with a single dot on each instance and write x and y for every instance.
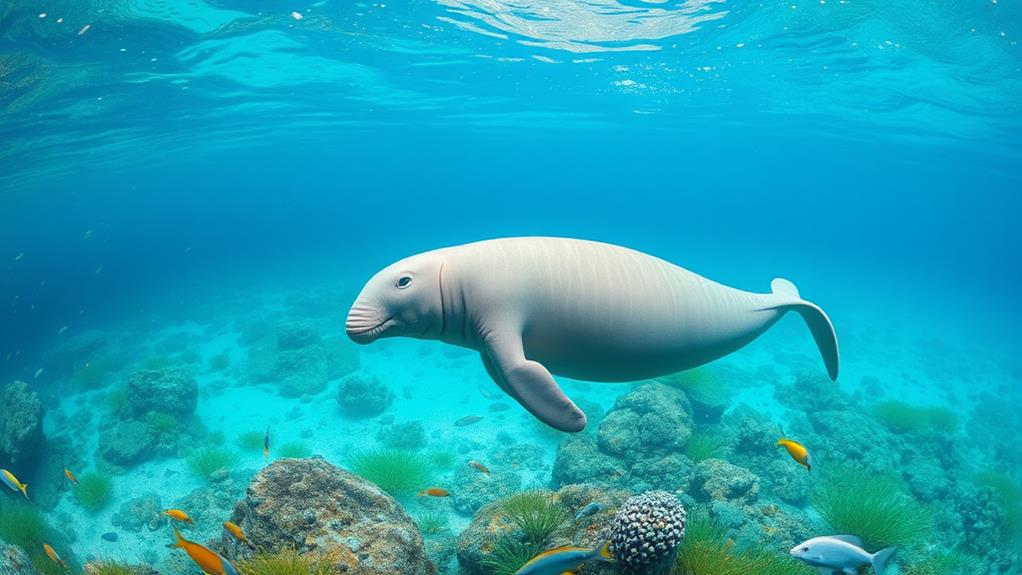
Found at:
(182, 180)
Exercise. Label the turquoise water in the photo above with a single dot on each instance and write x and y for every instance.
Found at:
(193, 193)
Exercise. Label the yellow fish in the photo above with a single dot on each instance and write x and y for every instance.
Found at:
(563, 560)
(238, 534)
(209, 561)
(797, 452)
(53, 555)
(178, 515)
(12, 482)
(70, 476)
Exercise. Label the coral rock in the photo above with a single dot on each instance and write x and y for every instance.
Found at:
(144, 512)
(126, 443)
(652, 419)
(718, 480)
(361, 396)
(170, 390)
(21, 422)
(314, 506)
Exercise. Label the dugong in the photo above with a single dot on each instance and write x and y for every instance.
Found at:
(536, 306)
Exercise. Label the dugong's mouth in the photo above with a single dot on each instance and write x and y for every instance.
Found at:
(365, 326)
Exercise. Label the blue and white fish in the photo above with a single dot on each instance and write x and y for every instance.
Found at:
(564, 560)
(840, 555)
(588, 510)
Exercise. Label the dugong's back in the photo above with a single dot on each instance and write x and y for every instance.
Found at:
(606, 313)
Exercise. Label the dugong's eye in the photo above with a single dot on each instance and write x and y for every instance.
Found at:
(805, 550)
(404, 282)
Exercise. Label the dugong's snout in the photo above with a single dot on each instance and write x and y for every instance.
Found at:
(365, 324)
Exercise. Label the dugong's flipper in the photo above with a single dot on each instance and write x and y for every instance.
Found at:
(530, 384)
(818, 322)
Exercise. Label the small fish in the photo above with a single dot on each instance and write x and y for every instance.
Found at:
(565, 559)
(70, 476)
(62, 330)
(468, 420)
(434, 492)
(12, 482)
(87, 234)
(38, 372)
(840, 554)
(588, 510)
(487, 393)
(296, 15)
(478, 467)
(178, 515)
(266, 445)
(84, 29)
(797, 452)
(20, 256)
(209, 561)
(238, 534)
(53, 555)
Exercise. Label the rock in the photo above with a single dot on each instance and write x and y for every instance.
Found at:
(851, 438)
(21, 423)
(787, 480)
(126, 443)
(927, 480)
(490, 526)
(144, 512)
(650, 420)
(579, 461)
(363, 396)
(301, 371)
(408, 436)
(296, 335)
(473, 489)
(718, 480)
(812, 392)
(670, 473)
(109, 536)
(14, 561)
(314, 506)
(171, 390)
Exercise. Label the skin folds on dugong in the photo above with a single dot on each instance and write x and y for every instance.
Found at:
(538, 306)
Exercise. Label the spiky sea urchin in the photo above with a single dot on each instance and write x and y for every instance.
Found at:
(646, 531)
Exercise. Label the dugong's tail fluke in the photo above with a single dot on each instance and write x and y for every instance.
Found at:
(818, 322)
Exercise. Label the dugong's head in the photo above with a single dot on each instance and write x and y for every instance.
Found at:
(403, 299)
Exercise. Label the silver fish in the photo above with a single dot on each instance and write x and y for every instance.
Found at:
(840, 555)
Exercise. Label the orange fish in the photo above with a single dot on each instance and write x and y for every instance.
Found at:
(238, 534)
(70, 476)
(178, 515)
(209, 561)
(478, 467)
(797, 452)
(53, 555)
(434, 492)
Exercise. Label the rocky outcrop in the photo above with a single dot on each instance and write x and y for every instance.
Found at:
(718, 480)
(314, 506)
(143, 512)
(125, 444)
(171, 390)
(362, 396)
(299, 360)
(638, 444)
(21, 423)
